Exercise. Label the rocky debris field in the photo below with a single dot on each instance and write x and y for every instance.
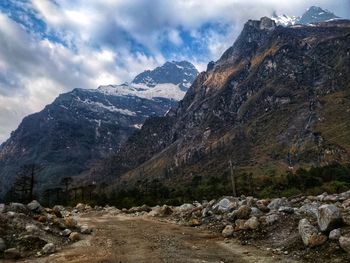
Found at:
(32, 230)
(299, 229)
(302, 228)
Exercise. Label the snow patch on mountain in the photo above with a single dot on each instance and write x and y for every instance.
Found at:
(166, 90)
(284, 20)
(111, 108)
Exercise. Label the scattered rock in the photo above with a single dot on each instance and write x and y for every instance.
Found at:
(84, 229)
(2, 208)
(344, 242)
(271, 219)
(2, 245)
(335, 234)
(194, 222)
(12, 253)
(345, 214)
(309, 234)
(66, 232)
(17, 208)
(49, 248)
(70, 222)
(32, 229)
(228, 231)
(42, 219)
(74, 236)
(328, 217)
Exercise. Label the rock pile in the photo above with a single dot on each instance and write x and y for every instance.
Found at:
(283, 223)
(32, 230)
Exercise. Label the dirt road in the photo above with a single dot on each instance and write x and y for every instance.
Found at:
(123, 239)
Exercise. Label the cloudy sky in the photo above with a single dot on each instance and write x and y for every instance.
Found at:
(48, 47)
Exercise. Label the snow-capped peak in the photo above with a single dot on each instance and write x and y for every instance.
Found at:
(313, 14)
(180, 73)
(284, 20)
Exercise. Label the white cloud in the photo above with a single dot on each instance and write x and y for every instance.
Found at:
(174, 37)
(99, 43)
(42, 69)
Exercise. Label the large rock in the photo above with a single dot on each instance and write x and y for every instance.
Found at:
(227, 231)
(226, 204)
(70, 222)
(328, 217)
(271, 219)
(35, 206)
(80, 207)
(345, 214)
(276, 203)
(243, 212)
(335, 234)
(286, 209)
(252, 223)
(309, 234)
(310, 209)
(344, 242)
(165, 211)
(185, 207)
(2, 245)
(49, 248)
(240, 224)
(256, 212)
(74, 236)
(57, 210)
(66, 232)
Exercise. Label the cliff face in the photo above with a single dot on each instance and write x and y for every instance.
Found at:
(278, 97)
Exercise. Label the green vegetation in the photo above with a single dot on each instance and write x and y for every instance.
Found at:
(333, 178)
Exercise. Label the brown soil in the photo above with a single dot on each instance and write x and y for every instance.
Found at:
(122, 239)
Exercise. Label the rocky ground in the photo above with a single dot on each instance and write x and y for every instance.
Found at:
(231, 229)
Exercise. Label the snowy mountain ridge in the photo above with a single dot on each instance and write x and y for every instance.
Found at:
(314, 14)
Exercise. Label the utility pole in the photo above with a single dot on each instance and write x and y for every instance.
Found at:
(233, 182)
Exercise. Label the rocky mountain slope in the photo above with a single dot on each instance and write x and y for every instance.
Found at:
(312, 15)
(277, 99)
(83, 126)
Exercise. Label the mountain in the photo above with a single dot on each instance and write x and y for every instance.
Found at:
(316, 14)
(82, 126)
(278, 99)
(312, 15)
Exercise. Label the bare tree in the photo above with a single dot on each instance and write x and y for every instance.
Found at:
(25, 181)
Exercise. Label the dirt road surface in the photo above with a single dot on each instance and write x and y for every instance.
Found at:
(124, 239)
